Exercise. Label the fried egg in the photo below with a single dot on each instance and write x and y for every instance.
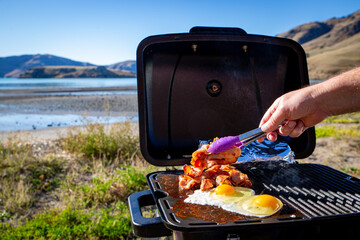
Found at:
(237, 199)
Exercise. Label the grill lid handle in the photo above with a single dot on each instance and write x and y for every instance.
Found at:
(218, 30)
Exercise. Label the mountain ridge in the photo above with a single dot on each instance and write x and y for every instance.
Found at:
(13, 66)
(75, 72)
(22, 65)
(332, 46)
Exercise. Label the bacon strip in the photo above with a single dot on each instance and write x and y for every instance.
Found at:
(210, 170)
(203, 158)
(187, 182)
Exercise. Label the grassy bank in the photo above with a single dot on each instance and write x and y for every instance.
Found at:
(76, 187)
(338, 143)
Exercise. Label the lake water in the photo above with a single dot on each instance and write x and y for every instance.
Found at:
(55, 83)
(16, 117)
(31, 121)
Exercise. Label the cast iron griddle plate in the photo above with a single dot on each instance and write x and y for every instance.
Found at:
(310, 192)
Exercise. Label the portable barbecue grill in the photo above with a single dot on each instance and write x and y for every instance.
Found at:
(219, 82)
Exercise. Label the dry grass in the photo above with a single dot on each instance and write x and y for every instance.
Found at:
(16, 196)
(338, 143)
(81, 194)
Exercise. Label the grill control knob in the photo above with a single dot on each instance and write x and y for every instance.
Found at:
(213, 88)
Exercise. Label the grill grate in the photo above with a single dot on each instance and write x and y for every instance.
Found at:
(319, 201)
(314, 190)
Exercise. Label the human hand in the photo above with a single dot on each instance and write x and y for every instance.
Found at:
(292, 113)
(300, 109)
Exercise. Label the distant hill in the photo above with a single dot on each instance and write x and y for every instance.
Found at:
(126, 65)
(40, 65)
(331, 46)
(75, 72)
(15, 65)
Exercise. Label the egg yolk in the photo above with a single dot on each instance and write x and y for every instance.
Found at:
(224, 189)
(266, 200)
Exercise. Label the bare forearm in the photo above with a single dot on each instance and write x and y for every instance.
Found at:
(340, 94)
(303, 108)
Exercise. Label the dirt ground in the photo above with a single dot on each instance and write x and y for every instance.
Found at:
(341, 153)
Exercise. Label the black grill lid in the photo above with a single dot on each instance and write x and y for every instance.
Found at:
(212, 82)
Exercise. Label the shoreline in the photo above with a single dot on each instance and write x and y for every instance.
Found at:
(30, 100)
(49, 134)
(14, 94)
(29, 111)
(38, 135)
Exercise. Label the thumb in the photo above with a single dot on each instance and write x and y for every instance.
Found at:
(276, 119)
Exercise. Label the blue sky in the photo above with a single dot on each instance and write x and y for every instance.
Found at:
(108, 31)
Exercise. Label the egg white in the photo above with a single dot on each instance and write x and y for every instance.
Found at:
(240, 202)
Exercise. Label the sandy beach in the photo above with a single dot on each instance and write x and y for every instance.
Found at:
(40, 100)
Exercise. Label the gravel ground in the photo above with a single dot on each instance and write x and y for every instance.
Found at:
(70, 104)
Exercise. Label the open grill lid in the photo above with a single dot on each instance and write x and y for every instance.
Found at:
(212, 82)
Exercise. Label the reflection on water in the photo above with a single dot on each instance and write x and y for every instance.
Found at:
(315, 81)
(17, 114)
(82, 93)
(21, 121)
(55, 83)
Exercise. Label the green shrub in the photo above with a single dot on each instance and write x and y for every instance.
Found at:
(332, 131)
(112, 187)
(345, 118)
(117, 142)
(12, 147)
(91, 190)
(22, 176)
(352, 171)
(70, 223)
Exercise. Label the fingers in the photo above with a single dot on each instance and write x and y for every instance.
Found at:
(298, 129)
(260, 139)
(290, 128)
(287, 128)
(272, 136)
(273, 123)
(272, 118)
(275, 116)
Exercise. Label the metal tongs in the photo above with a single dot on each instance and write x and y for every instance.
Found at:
(241, 140)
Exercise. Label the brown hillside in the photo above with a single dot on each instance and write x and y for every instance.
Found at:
(332, 46)
(13, 66)
(341, 29)
(306, 32)
(329, 61)
(74, 72)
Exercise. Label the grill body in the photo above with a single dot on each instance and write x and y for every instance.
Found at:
(319, 201)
